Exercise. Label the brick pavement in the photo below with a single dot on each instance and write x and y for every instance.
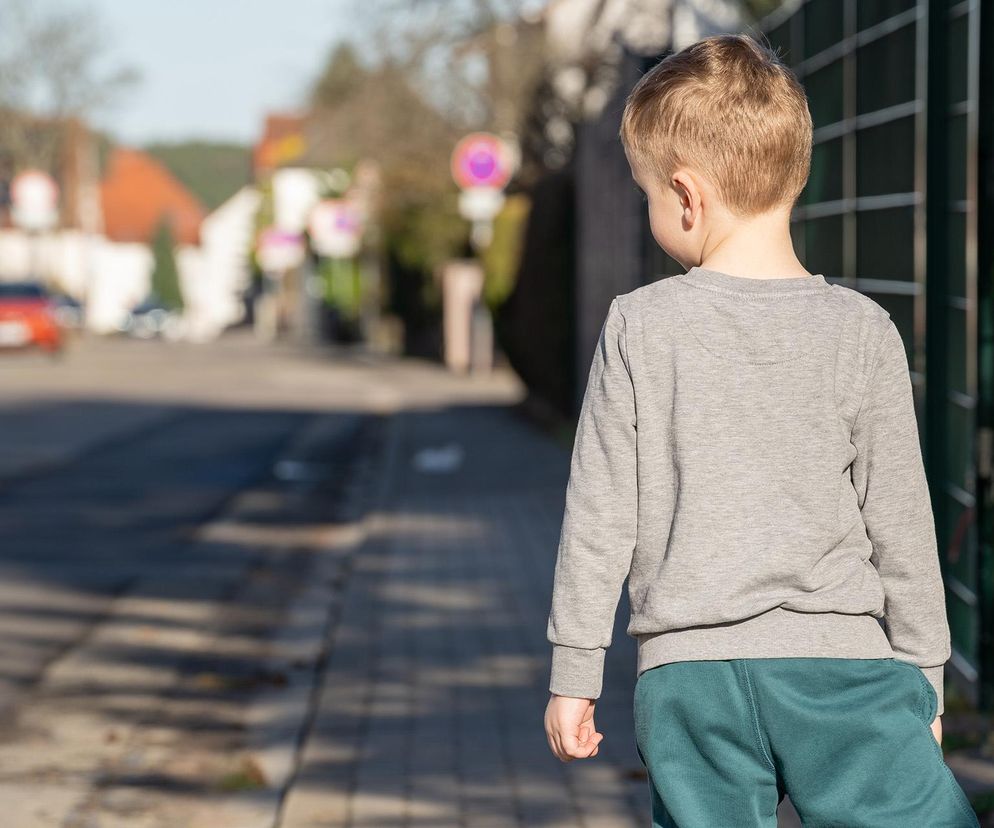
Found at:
(431, 710)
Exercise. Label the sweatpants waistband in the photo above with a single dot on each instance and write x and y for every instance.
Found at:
(778, 633)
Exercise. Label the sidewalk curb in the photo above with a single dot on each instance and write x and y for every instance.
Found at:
(276, 716)
(280, 720)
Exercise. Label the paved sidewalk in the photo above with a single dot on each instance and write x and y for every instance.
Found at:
(432, 706)
(431, 709)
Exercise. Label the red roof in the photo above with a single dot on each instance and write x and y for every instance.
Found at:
(282, 141)
(138, 192)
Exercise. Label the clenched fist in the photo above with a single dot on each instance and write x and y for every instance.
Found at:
(569, 727)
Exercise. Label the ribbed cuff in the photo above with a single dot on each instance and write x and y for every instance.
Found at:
(577, 672)
(935, 678)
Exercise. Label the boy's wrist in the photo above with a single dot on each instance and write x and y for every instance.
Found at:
(577, 671)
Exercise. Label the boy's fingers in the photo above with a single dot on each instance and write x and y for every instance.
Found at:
(559, 747)
(569, 738)
(554, 743)
(576, 750)
(590, 748)
(570, 744)
(567, 748)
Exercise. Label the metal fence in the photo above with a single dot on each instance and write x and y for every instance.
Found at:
(899, 206)
(893, 209)
(615, 249)
(609, 220)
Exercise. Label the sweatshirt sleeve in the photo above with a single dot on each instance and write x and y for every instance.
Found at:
(597, 537)
(889, 477)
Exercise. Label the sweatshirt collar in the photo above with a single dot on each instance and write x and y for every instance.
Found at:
(774, 286)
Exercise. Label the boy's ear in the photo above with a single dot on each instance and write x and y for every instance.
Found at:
(689, 193)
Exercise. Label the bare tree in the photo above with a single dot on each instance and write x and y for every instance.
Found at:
(49, 72)
(475, 60)
(425, 73)
(375, 113)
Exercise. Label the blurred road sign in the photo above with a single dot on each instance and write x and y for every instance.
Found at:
(480, 203)
(336, 227)
(482, 164)
(481, 159)
(279, 250)
(34, 198)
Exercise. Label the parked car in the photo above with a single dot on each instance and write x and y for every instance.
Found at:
(27, 318)
(151, 318)
(68, 311)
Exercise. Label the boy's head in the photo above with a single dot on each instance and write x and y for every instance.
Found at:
(724, 123)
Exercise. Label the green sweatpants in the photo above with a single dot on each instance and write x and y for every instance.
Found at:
(847, 739)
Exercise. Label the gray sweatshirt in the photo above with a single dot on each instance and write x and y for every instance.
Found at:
(747, 454)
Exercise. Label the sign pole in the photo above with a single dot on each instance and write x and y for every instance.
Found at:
(482, 165)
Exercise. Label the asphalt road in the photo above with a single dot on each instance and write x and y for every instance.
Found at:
(161, 505)
(78, 535)
(112, 589)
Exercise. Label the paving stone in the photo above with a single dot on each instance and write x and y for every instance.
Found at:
(443, 629)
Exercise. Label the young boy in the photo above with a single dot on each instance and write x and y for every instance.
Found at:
(747, 454)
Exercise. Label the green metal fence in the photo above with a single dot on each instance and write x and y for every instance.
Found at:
(897, 207)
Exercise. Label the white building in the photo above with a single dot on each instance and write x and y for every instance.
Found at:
(112, 277)
(214, 275)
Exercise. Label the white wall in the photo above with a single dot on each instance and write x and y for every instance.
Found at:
(109, 277)
(114, 277)
(120, 278)
(15, 255)
(584, 39)
(214, 275)
(703, 18)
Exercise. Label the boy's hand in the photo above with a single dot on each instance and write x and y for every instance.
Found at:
(569, 727)
(937, 729)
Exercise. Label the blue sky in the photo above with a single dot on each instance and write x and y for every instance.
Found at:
(212, 68)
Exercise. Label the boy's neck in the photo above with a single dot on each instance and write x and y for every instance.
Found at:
(758, 246)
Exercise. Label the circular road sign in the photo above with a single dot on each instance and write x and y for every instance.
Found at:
(336, 227)
(481, 159)
(278, 250)
(34, 197)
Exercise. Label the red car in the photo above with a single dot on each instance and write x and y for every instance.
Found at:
(27, 317)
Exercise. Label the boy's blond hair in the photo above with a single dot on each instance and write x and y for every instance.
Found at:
(728, 108)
